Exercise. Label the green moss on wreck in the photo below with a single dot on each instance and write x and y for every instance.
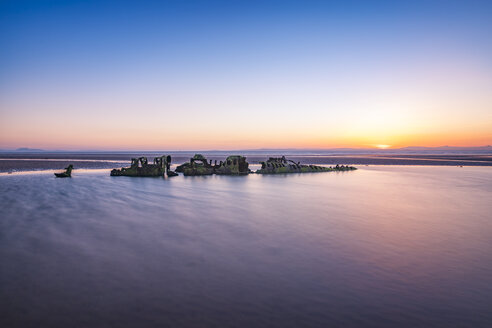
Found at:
(233, 165)
(141, 168)
(282, 165)
(67, 173)
(199, 165)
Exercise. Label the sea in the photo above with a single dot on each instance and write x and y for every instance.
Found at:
(403, 244)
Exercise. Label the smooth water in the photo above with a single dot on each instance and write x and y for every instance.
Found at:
(378, 247)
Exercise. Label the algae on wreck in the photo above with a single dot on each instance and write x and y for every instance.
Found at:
(233, 165)
(141, 168)
(282, 165)
(199, 165)
(67, 173)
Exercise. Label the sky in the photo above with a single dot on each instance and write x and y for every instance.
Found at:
(198, 75)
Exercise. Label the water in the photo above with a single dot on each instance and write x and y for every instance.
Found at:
(14, 162)
(392, 246)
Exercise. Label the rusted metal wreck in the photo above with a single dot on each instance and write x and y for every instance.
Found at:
(282, 165)
(233, 165)
(198, 165)
(141, 168)
(67, 173)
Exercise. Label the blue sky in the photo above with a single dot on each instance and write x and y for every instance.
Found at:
(246, 73)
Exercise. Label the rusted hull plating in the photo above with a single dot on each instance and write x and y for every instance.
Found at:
(198, 165)
(141, 168)
(282, 165)
(233, 165)
(66, 174)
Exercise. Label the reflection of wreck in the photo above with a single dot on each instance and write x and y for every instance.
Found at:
(66, 174)
(283, 165)
(198, 165)
(141, 168)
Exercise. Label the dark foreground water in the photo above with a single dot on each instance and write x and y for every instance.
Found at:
(378, 247)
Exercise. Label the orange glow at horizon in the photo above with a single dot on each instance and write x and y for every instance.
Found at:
(142, 139)
(377, 126)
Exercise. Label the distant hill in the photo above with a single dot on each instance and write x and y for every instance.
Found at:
(442, 150)
(449, 148)
(25, 149)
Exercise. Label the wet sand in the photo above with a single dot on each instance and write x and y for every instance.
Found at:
(11, 162)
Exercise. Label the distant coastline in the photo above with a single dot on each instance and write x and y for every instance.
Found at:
(414, 150)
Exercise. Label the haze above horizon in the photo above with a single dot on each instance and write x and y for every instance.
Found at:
(117, 75)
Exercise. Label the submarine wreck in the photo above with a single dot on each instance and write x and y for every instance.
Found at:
(67, 173)
(141, 168)
(282, 165)
(199, 165)
(233, 165)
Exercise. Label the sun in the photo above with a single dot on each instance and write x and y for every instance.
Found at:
(383, 146)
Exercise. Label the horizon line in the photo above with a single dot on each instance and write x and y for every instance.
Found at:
(33, 150)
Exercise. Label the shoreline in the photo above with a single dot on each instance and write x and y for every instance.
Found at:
(106, 171)
(36, 162)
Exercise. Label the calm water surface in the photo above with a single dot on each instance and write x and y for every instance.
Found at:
(379, 247)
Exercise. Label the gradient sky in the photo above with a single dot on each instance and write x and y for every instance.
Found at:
(196, 75)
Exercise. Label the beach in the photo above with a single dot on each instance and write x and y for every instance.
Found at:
(15, 162)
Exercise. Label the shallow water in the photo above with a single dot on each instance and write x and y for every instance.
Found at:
(393, 246)
(16, 162)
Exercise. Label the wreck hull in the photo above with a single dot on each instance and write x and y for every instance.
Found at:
(233, 165)
(62, 175)
(139, 172)
(182, 167)
(282, 166)
(302, 169)
(232, 173)
(284, 170)
(192, 171)
(141, 168)
(198, 165)
(66, 174)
